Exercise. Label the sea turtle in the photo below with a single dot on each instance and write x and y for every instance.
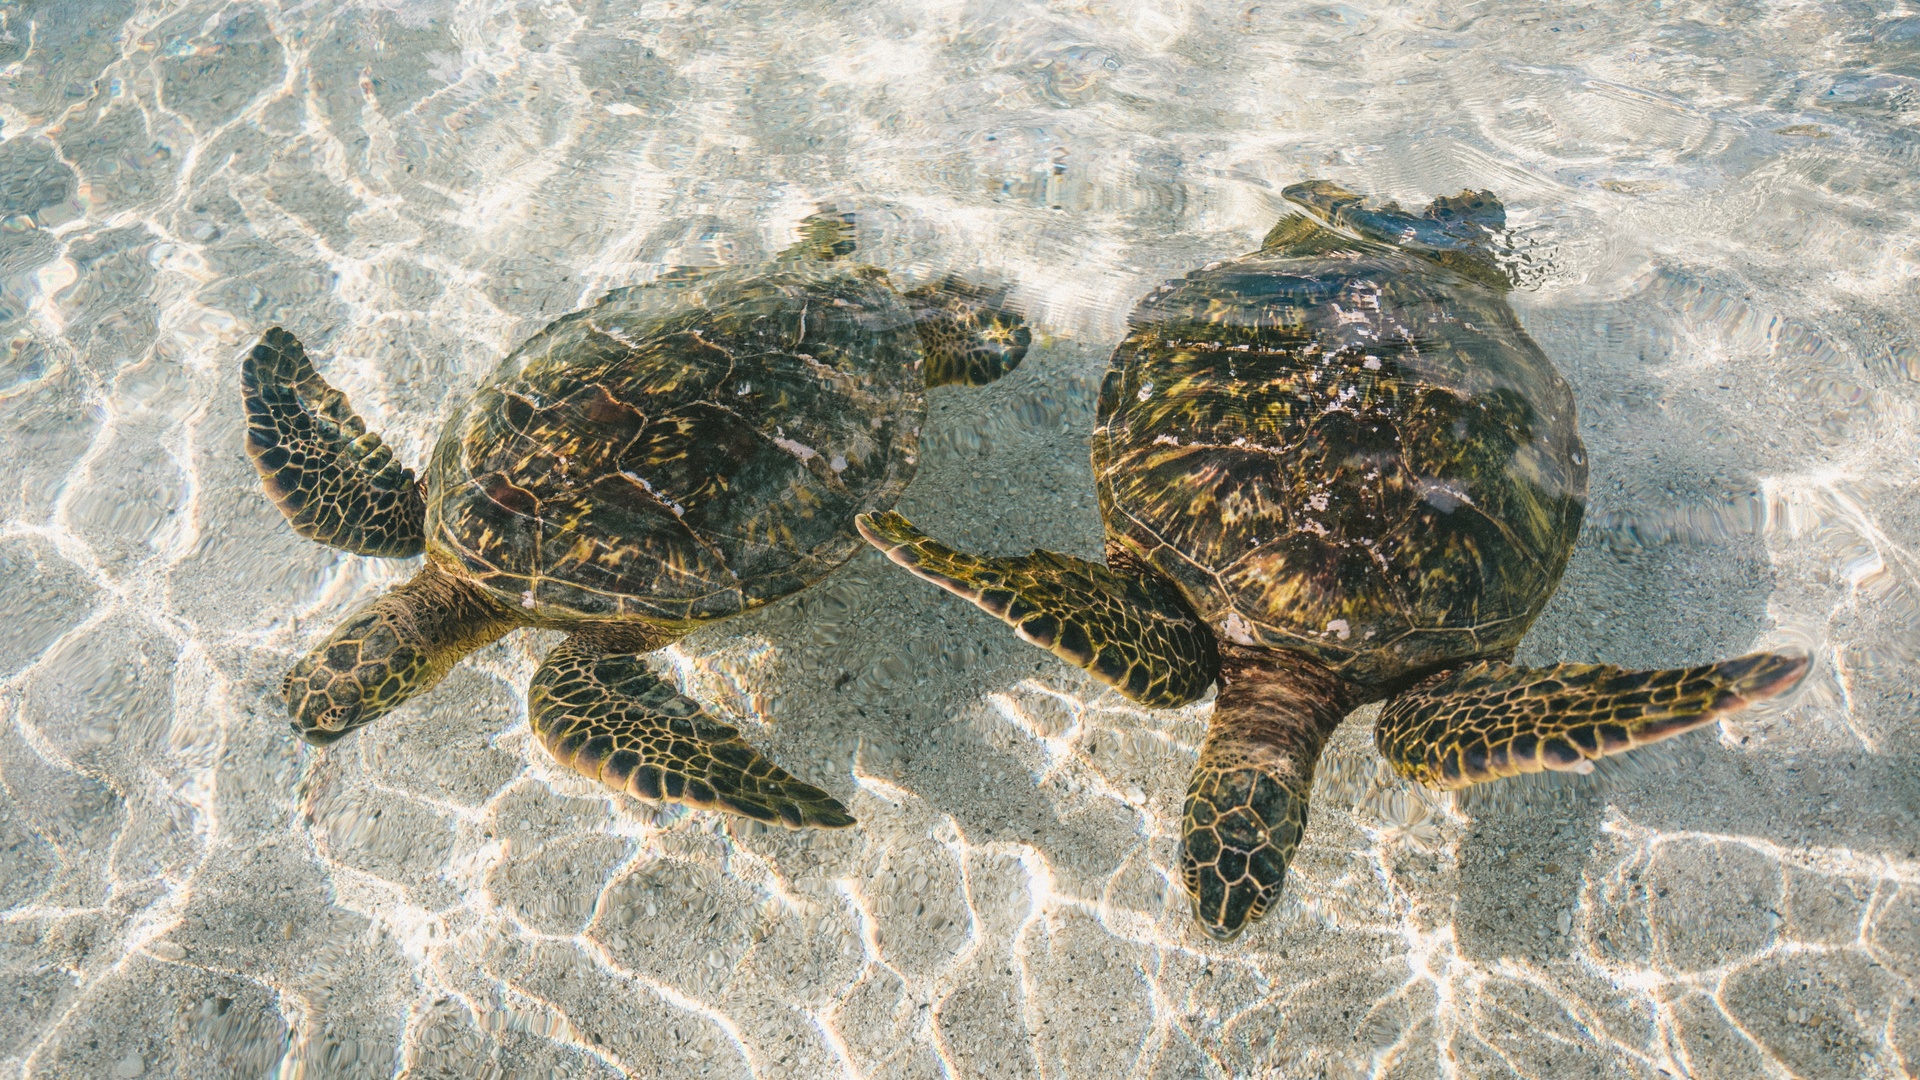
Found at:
(1335, 471)
(680, 452)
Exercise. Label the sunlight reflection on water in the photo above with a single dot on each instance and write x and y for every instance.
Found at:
(1719, 204)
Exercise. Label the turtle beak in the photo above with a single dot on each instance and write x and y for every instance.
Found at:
(315, 736)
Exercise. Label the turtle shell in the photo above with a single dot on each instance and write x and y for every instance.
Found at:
(1346, 445)
(684, 450)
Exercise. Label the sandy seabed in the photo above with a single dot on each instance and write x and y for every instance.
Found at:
(1722, 201)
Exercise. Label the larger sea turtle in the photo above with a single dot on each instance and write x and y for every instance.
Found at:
(678, 453)
(1333, 471)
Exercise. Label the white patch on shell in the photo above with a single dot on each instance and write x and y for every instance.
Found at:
(745, 389)
(838, 463)
(1314, 527)
(1238, 630)
(1339, 628)
(526, 599)
(678, 510)
(797, 449)
(614, 331)
(1165, 440)
(1146, 391)
(1371, 363)
(1317, 502)
(1445, 496)
(1346, 394)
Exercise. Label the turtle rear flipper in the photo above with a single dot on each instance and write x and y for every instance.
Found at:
(1491, 720)
(825, 235)
(335, 481)
(1134, 632)
(1454, 230)
(1450, 222)
(598, 710)
(969, 337)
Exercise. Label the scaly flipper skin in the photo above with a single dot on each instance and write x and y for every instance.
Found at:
(390, 650)
(1247, 801)
(599, 711)
(335, 481)
(969, 338)
(1491, 720)
(1135, 633)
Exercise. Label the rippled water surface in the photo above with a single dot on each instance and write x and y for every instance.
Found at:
(1721, 201)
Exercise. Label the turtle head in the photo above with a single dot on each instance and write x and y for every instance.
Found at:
(356, 676)
(396, 647)
(968, 334)
(1247, 803)
(1239, 832)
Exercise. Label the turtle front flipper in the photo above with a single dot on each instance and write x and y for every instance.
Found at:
(598, 710)
(970, 337)
(1491, 720)
(335, 481)
(1134, 632)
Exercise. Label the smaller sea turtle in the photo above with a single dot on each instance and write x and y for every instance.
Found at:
(681, 452)
(1335, 471)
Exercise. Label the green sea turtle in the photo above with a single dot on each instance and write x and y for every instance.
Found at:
(1335, 471)
(680, 452)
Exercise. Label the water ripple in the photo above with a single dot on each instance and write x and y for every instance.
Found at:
(1716, 206)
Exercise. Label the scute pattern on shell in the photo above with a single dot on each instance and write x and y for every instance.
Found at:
(685, 450)
(1345, 447)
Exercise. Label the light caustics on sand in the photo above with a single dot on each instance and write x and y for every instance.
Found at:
(186, 891)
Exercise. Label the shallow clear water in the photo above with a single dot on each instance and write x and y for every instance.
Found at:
(1722, 201)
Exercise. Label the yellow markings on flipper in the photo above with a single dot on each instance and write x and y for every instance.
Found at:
(1491, 720)
(605, 715)
(1136, 633)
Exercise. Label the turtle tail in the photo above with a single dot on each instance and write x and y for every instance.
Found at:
(825, 235)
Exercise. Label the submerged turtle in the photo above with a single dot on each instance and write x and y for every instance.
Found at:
(681, 452)
(1335, 471)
